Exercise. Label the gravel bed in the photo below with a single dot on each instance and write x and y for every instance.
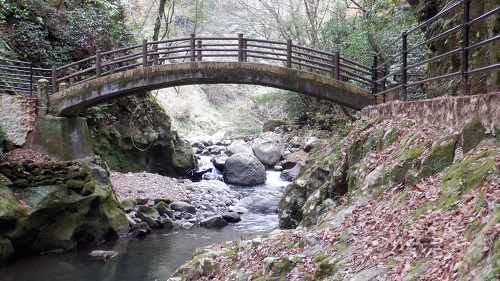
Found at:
(148, 186)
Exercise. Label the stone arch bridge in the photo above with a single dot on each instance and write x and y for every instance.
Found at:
(208, 60)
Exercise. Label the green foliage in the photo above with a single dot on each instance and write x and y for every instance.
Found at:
(18, 9)
(47, 36)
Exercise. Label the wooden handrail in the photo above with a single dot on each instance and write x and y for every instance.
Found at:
(196, 48)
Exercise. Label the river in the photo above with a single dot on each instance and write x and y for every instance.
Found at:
(153, 258)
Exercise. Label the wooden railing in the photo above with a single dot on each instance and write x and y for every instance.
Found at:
(405, 70)
(194, 48)
(402, 71)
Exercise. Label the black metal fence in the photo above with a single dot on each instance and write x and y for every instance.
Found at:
(19, 76)
(403, 72)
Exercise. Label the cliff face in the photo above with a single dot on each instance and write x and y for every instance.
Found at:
(393, 200)
(487, 55)
(133, 134)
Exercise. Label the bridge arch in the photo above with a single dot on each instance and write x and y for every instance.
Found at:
(71, 101)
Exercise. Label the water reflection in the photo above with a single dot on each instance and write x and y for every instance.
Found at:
(153, 258)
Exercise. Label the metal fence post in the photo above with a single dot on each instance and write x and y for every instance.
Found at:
(144, 52)
(289, 53)
(465, 48)
(54, 79)
(98, 64)
(374, 77)
(404, 69)
(31, 79)
(193, 47)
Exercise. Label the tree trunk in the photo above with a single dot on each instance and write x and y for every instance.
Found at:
(161, 14)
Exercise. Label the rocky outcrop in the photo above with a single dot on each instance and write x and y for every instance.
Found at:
(392, 200)
(132, 144)
(244, 169)
(58, 205)
(17, 117)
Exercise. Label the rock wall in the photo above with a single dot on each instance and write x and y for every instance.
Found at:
(17, 117)
(451, 113)
(396, 199)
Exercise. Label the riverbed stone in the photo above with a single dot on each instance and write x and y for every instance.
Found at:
(214, 221)
(128, 204)
(163, 209)
(244, 169)
(239, 146)
(268, 148)
(219, 161)
(262, 201)
(182, 206)
(291, 174)
(146, 211)
(231, 216)
(271, 124)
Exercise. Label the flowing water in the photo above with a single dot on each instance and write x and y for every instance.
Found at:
(154, 257)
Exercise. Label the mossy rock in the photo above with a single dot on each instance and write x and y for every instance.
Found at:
(468, 172)
(6, 249)
(472, 134)
(128, 204)
(163, 209)
(440, 156)
(327, 267)
(11, 212)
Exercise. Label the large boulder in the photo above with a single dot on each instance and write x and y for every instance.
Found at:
(261, 201)
(59, 205)
(182, 206)
(244, 169)
(271, 124)
(268, 148)
(239, 146)
(214, 221)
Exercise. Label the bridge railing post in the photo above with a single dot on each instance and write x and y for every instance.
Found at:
(289, 53)
(155, 56)
(112, 66)
(144, 52)
(54, 79)
(193, 47)
(72, 78)
(97, 63)
(404, 37)
(198, 51)
(241, 47)
(335, 72)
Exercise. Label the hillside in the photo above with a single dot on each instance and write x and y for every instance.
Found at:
(392, 200)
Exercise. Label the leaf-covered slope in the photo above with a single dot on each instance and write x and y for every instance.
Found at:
(410, 212)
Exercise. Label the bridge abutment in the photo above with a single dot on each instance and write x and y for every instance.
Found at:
(61, 137)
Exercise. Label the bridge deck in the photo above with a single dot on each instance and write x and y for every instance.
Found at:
(71, 101)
